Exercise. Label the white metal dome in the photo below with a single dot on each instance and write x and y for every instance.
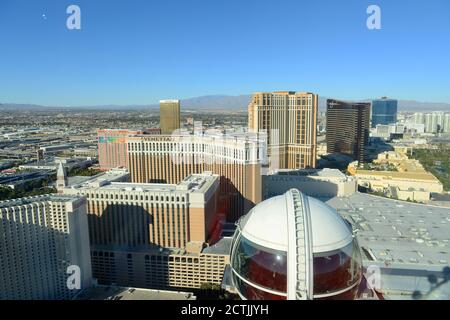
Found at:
(294, 247)
(267, 225)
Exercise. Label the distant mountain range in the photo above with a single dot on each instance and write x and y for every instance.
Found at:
(242, 101)
(221, 102)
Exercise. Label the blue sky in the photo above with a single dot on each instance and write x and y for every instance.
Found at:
(140, 51)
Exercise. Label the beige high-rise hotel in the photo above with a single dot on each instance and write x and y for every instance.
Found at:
(42, 239)
(235, 157)
(169, 116)
(154, 235)
(290, 120)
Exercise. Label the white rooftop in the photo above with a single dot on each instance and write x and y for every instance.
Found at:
(396, 232)
(42, 198)
(123, 293)
(97, 180)
(192, 183)
(267, 225)
(326, 172)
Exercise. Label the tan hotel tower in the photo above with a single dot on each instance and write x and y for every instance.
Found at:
(152, 235)
(142, 214)
(290, 120)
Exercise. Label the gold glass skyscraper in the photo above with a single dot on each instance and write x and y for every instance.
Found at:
(290, 120)
(169, 116)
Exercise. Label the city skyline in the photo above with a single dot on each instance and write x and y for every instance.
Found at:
(201, 53)
(310, 161)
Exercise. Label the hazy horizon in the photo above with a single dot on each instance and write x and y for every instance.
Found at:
(137, 52)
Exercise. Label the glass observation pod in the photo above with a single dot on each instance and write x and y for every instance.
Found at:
(295, 247)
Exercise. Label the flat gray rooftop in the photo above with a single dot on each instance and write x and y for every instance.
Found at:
(408, 242)
(122, 293)
(100, 178)
(53, 161)
(330, 173)
(75, 180)
(192, 183)
(397, 232)
(223, 246)
(41, 198)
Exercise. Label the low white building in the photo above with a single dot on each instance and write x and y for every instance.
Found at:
(53, 163)
(319, 183)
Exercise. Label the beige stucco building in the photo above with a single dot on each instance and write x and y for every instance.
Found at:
(141, 214)
(290, 120)
(383, 180)
(409, 194)
(154, 235)
(159, 268)
(408, 180)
